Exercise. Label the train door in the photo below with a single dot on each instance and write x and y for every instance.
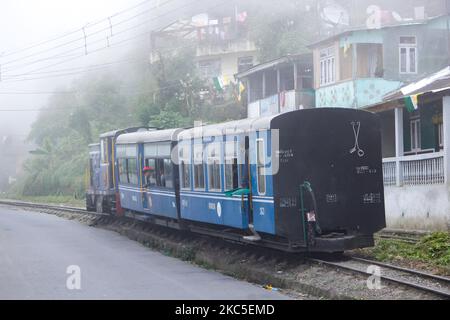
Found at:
(248, 179)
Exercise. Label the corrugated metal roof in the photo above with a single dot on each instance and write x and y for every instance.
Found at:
(435, 82)
(304, 57)
(359, 29)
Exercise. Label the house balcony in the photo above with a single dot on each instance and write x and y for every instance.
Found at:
(282, 102)
(224, 47)
(417, 170)
(357, 93)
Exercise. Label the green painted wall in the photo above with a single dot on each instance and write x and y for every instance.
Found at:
(428, 128)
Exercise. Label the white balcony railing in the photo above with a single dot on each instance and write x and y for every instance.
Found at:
(424, 169)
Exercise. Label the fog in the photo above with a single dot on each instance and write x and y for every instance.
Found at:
(32, 67)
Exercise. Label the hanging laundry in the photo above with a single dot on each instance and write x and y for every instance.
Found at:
(241, 90)
(241, 17)
(218, 84)
(226, 20)
(200, 20)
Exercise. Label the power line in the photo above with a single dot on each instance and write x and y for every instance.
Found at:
(101, 40)
(71, 59)
(75, 31)
(99, 49)
(81, 69)
(84, 39)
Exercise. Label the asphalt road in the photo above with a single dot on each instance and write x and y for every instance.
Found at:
(37, 249)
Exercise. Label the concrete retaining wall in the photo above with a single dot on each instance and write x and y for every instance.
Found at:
(418, 207)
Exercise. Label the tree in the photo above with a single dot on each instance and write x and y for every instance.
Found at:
(283, 27)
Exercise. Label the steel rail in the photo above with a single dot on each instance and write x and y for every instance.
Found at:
(403, 269)
(341, 265)
(33, 205)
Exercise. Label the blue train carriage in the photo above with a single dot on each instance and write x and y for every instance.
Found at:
(155, 196)
(308, 180)
(102, 191)
(217, 187)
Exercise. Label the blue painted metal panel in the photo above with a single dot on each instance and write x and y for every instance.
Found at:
(158, 202)
(214, 208)
(263, 205)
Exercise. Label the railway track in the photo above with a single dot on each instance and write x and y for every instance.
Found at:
(418, 280)
(41, 206)
(401, 235)
(422, 281)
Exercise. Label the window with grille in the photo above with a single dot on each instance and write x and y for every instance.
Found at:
(327, 66)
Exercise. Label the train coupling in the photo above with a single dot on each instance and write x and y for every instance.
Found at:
(254, 237)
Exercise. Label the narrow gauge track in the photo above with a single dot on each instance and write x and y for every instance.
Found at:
(437, 285)
(411, 240)
(422, 281)
(42, 206)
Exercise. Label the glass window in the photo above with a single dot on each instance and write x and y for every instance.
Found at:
(167, 180)
(260, 166)
(327, 66)
(441, 135)
(199, 174)
(164, 150)
(154, 150)
(244, 63)
(123, 176)
(151, 179)
(104, 150)
(415, 135)
(150, 150)
(185, 167)
(231, 165)
(132, 171)
(408, 55)
(214, 179)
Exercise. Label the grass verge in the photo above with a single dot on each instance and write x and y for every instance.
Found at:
(431, 252)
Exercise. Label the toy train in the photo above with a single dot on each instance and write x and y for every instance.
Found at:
(302, 181)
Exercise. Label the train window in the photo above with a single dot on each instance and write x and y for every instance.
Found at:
(151, 179)
(260, 166)
(150, 150)
(185, 168)
(199, 174)
(167, 180)
(123, 176)
(231, 165)
(164, 150)
(214, 179)
(132, 171)
(104, 150)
